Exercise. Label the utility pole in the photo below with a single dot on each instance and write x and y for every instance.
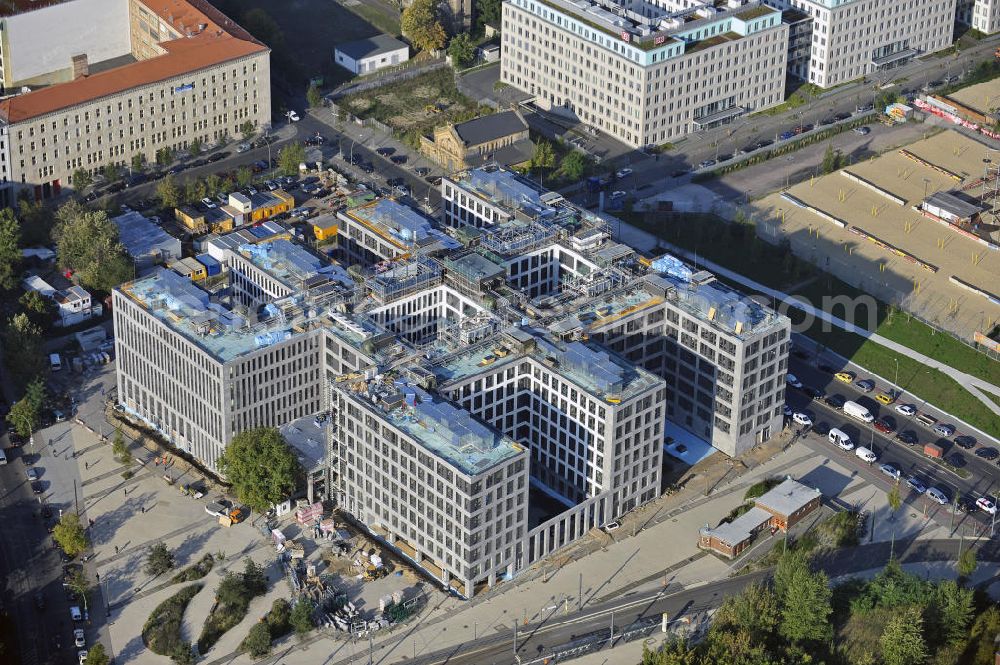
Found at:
(611, 639)
(515, 640)
(579, 595)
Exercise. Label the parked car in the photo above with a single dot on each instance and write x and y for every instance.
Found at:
(822, 428)
(208, 203)
(784, 136)
(813, 393)
(865, 385)
(385, 151)
(292, 116)
(827, 121)
(243, 147)
(398, 159)
(906, 409)
(78, 638)
(217, 156)
(956, 459)
(864, 131)
(793, 381)
(916, 484)
(937, 494)
(836, 401)
(802, 419)
(908, 437)
(885, 425)
(944, 429)
(989, 454)
(421, 171)
(36, 488)
(987, 505)
(966, 442)
(844, 377)
(890, 470)
(706, 163)
(623, 173)
(843, 115)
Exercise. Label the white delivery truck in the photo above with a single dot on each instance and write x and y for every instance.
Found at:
(855, 410)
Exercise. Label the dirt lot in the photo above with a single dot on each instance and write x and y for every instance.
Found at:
(981, 97)
(307, 32)
(931, 295)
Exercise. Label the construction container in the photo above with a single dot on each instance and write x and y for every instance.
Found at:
(933, 450)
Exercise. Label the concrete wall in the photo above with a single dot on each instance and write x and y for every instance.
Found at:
(43, 42)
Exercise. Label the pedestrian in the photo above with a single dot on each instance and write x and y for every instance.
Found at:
(116, 549)
(125, 491)
(91, 522)
(142, 509)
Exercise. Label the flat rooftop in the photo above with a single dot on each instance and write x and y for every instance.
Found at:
(443, 429)
(290, 263)
(787, 497)
(400, 225)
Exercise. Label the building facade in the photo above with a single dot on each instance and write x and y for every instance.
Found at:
(457, 147)
(645, 73)
(981, 15)
(193, 74)
(856, 38)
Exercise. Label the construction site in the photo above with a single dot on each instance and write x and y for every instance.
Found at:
(916, 227)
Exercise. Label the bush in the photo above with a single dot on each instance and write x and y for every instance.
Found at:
(233, 600)
(279, 619)
(302, 614)
(162, 631)
(195, 571)
(159, 560)
(761, 488)
(258, 641)
(736, 512)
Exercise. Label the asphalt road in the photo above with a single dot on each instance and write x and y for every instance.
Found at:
(983, 476)
(29, 564)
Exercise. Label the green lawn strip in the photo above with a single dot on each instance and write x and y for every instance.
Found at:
(232, 603)
(195, 571)
(385, 21)
(162, 631)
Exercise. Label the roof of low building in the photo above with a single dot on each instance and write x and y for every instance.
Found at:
(959, 206)
(220, 40)
(490, 127)
(372, 46)
(735, 532)
(788, 497)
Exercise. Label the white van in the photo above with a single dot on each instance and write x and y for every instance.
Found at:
(855, 410)
(55, 362)
(866, 454)
(3, 456)
(840, 439)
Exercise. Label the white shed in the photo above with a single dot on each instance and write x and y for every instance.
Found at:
(365, 56)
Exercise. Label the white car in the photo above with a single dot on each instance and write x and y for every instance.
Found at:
(208, 203)
(82, 655)
(793, 381)
(243, 147)
(906, 409)
(617, 195)
(292, 116)
(803, 419)
(78, 638)
(75, 613)
(937, 495)
(624, 173)
(891, 471)
(987, 505)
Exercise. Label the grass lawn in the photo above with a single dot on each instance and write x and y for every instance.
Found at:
(735, 246)
(384, 19)
(162, 631)
(233, 598)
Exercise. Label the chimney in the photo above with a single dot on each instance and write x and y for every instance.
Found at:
(81, 67)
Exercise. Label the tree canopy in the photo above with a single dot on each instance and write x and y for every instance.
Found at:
(82, 179)
(87, 242)
(421, 24)
(488, 11)
(169, 192)
(573, 165)
(70, 535)
(261, 467)
(23, 349)
(159, 560)
(903, 639)
(25, 414)
(461, 50)
(10, 249)
(290, 157)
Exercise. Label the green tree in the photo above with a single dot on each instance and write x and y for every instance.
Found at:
(544, 156)
(138, 162)
(10, 249)
(981, 646)
(25, 414)
(488, 11)
(169, 192)
(902, 641)
(87, 242)
(40, 310)
(302, 613)
(260, 24)
(36, 223)
(69, 534)
(254, 580)
(954, 608)
(573, 165)
(290, 157)
(212, 184)
(831, 159)
(194, 147)
(895, 500)
(96, 655)
(247, 129)
(967, 563)
(164, 156)
(755, 611)
(462, 50)
(194, 190)
(23, 349)
(279, 618)
(244, 176)
(119, 448)
(805, 600)
(110, 172)
(258, 641)
(81, 179)
(313, 97)
(674, 652)
(261, 467)
(159, 560)
(421, 24)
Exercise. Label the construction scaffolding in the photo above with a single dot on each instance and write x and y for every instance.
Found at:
(405, 278)
(514, 238)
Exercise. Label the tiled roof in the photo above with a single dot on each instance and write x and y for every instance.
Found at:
(221, 41)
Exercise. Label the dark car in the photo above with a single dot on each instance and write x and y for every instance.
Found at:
(842, 116)
(368, 167)
(724, 157)
(827, 121)
(433, 179)
(218, 156)
(46, 511)
(988, 454)
(957, 460)
(421, 171)
(199, 163)
(965, 504)
(836, 401)
(90, 197)
(966, 442)
(909, 437)
(398, 159)
(680, 173)
(386, 151)
(116, 187)
(36, 487)
(822, 428)
(764, 143)
(814, 393)
(885, 425)
(40, 602)
(174, 170)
